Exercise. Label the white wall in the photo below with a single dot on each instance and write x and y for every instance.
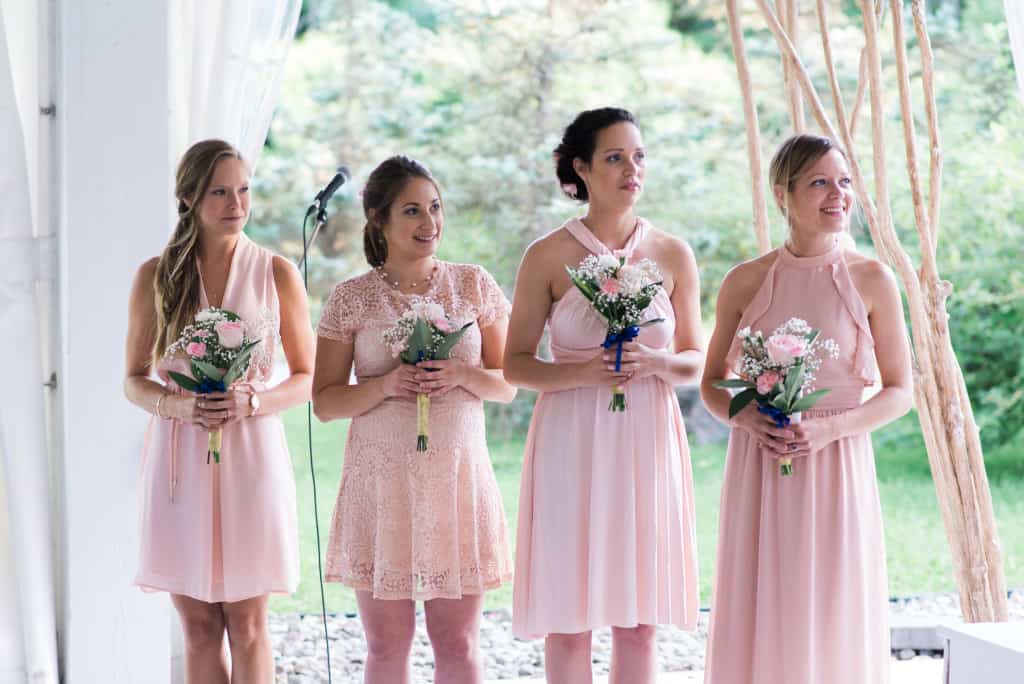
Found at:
(115, 174)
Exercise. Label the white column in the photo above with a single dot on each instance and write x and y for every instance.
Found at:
(27, 612)
(113, 113)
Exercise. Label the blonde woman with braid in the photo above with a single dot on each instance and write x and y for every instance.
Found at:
(219, 538)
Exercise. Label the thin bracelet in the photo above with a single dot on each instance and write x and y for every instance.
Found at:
(163, 395)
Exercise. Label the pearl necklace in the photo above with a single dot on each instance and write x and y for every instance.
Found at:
(396, 285)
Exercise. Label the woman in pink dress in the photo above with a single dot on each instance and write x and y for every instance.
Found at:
(606, 525)
(800, 584)
(414, 525)
(218, 537)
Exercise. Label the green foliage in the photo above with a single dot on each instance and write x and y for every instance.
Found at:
(481, 93)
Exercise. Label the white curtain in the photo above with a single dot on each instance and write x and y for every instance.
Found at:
(1015, 24)
(227, 58)
(27, 610)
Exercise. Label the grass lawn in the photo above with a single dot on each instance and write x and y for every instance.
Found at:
(918, 554)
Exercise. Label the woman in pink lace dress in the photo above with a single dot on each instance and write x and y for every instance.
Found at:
(411, 525)
(800, 586)
(218, 537)
(606, 527)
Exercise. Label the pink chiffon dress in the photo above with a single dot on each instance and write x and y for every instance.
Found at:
(606, 510)
(410, 524)
(223, 532)
(800, 592)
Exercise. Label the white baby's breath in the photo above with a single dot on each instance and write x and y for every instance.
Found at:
(755, 360)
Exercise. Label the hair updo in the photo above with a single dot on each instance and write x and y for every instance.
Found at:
(385, 183)
(579, 141)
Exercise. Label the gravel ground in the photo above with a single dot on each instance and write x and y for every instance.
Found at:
(300, 653)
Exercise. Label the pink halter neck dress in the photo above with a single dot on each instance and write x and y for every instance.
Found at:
(606, 522)
(800, 593)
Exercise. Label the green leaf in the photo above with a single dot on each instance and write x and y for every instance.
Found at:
(588, 291)
(208, 370)
(240, 364)
(183, 381)
(419, 343)
(740, 401)
(449, 341)
(732, 383)
(811, 336)
(780, 402)
(794, 381)
(808, 401)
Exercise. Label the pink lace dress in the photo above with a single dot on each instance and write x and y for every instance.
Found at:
(408, 524)
(228, 531)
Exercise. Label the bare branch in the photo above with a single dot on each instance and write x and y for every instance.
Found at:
(928, 77)
(753, 129)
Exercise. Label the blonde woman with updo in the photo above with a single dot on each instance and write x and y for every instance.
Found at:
(219, 538)
(800, 584)
(414, 525)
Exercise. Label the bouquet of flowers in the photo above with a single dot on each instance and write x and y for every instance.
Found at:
(620, 292)
(423, 333)
(778, 373)
(219, 347)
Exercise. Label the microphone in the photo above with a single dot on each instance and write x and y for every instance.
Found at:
(340, 178)
(319, 207)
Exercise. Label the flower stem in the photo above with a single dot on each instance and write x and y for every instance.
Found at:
(422, 415)
(618, 402)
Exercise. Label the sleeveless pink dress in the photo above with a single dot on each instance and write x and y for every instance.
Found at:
(800, 592)
(606, 512)
(228, 531)
(409, 524)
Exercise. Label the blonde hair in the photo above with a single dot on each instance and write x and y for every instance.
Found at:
(176, 282)
(795, 157)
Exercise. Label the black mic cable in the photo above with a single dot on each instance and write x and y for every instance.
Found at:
(309, 435)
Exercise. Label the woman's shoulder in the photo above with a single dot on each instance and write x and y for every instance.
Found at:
(357, 286)
(863, 266)
(873, 279)
(751, 273)
(145, 277)
(470, 276)
(555, 240)
(461, 270)
(673, 247)
(147, 269)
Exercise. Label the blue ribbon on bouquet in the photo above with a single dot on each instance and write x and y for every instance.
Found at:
(208, 385)
(780, 418)
(626, 335)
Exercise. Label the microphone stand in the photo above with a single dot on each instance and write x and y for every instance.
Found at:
(320, 208)
(321, 218)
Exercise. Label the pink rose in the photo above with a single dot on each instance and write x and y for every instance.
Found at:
(442, 324)
(230, 333)
(766, 381)
(611, 287)
(784, 349)
(196, 350)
